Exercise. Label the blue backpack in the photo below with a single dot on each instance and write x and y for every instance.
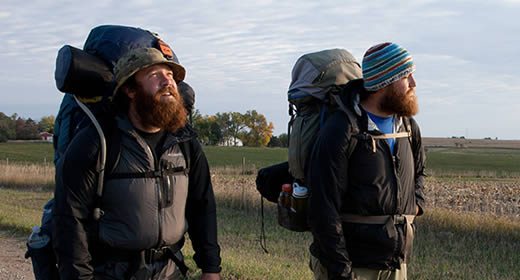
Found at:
(86, 77)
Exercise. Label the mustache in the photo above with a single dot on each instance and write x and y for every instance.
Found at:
(167, 89)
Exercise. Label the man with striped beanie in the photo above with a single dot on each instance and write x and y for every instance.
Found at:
(366, 174)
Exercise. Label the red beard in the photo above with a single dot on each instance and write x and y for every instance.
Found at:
(400, 104)
(169, 115)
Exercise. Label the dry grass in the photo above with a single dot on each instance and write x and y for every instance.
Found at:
(471, 227)
(492, 198)
(27, 175)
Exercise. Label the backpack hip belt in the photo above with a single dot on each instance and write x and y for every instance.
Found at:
(389, 221)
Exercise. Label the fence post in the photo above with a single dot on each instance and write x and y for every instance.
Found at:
(243, 165)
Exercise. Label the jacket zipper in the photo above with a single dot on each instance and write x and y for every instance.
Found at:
(159, 197)
(396, 177)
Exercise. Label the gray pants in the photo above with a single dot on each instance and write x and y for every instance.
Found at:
(160, 270)
(320, 272)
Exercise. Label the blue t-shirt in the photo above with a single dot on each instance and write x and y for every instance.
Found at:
(385, 125)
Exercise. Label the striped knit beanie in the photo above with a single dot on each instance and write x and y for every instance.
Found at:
(384, 64)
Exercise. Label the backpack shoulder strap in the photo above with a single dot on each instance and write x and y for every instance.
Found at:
(114, 156)
(354, 128)
(114, 147)
(185, 149)
(413, 141)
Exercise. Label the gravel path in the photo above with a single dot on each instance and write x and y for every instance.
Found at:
(13, 265)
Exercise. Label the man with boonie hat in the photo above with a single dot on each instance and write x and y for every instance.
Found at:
(159, 185)
(367, 198)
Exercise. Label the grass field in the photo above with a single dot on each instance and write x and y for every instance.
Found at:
(481, 162)
(471, 229)
(449, 244)
(27, 152)
(441, 162)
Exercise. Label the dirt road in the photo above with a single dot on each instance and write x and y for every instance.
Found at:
(13, 265)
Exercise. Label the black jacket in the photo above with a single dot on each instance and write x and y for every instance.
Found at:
(369, 184)
(76, 236)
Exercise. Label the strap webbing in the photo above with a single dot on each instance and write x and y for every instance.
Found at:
(149, 174)
(377, 220)
(392, 135)
(388, 135)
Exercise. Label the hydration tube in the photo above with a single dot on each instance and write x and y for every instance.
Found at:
(102, 157)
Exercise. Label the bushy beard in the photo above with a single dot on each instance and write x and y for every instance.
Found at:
(399, 103)
(169, 115)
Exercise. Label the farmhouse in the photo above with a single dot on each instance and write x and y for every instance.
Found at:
(46, 136)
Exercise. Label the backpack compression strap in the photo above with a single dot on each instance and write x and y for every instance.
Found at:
(185, 149)
(149, 174)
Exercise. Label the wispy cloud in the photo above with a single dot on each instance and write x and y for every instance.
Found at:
(239, 54)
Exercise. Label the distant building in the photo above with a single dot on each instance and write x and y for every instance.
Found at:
(230, 141)
(46, 136)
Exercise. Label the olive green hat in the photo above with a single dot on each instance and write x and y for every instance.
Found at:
(138, 59)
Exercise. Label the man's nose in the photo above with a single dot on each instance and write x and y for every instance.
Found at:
(411, 81)
(167, 80)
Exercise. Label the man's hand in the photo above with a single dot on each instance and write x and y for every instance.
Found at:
(210, 276)
(416, 210)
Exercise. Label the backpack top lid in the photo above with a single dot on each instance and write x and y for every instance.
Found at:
(314, 74)
(110, 42)
(82, 74)
(88, 73)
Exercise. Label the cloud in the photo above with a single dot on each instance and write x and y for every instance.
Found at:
(239, 54)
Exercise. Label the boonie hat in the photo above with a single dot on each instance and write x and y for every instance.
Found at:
(138, 59)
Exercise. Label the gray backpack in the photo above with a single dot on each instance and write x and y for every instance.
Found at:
(314, 77)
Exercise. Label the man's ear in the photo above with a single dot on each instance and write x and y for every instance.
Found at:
(128, 91)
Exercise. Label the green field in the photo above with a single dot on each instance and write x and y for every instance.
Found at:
(487, 162)
(20, 152)
(449, 245)
(440, 162)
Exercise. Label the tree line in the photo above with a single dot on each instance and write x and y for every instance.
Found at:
(228, 129)
(233, 128)
(15, 127)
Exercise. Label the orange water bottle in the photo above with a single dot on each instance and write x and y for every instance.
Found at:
(285, 196)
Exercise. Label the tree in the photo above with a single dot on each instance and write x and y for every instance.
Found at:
(26, 129)
(46, 124)
(216, 134)
(224, 122)
(202, 125)
(207, 128)
(7, 128)
(274, 142)
(259, 131)
(279, 141)
(226, 128)
(284, 140)
(238, 126)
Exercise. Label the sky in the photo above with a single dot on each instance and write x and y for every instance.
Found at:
(239, 53)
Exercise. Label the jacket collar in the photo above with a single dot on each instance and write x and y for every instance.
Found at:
(360, 112)
(182, 135)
